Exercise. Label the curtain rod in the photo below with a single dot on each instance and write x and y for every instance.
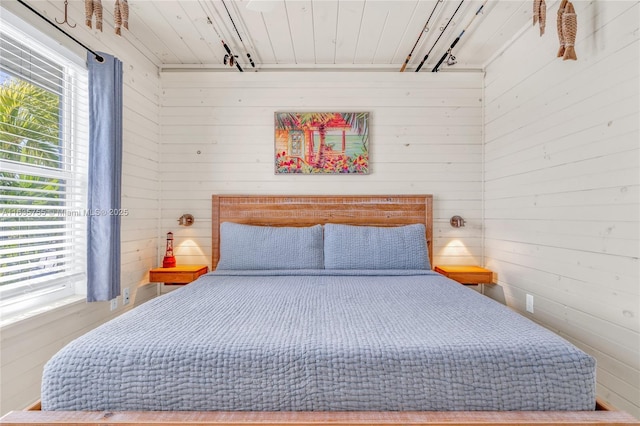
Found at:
(98, 57)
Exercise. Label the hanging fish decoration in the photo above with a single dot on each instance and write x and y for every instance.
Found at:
(121, 15)
(540, 14)
(563, 4)
(117, 17)
(92, 7)
(97, 9)
(88, 12)
(569, 31)
(124, 8)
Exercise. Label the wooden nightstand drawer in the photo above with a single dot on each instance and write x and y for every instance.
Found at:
(466, 274)
(178, 275)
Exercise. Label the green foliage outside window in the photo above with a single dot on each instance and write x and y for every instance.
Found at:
(30, 135)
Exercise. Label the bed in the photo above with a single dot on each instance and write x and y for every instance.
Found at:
(312, 317)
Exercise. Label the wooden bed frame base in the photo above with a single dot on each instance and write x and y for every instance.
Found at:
(603, 415)
(379, 210)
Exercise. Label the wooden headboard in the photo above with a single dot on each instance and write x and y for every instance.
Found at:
(308, 210)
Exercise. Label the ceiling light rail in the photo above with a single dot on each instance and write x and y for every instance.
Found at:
(305, 68)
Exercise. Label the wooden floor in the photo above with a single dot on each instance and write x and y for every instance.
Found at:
(604, 415)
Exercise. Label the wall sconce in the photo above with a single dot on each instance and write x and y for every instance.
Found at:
(457, 222)
(186, 220)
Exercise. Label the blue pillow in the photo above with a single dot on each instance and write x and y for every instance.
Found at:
(372, 247)
(245, 247)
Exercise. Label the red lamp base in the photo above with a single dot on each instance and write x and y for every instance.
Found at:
(169, 262)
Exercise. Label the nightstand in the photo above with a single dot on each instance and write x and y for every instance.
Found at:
(467, 274)
(178, 275)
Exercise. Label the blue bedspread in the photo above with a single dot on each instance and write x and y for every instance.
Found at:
(320, 340)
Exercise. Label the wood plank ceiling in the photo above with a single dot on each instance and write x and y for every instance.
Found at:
(325, 34)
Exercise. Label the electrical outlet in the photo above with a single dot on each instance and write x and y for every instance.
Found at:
(529, 303)
(125, 297)
(114, 304)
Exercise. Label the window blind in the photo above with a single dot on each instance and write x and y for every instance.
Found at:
(43, 172)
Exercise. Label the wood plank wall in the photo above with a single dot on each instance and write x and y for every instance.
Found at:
(562, 187)
(218, 137)
(25, 346)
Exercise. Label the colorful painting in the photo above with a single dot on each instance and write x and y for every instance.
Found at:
(322, 142)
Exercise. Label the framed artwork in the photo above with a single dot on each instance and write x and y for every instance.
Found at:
(322, 142)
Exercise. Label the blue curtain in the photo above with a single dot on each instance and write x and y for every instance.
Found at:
(105, 177)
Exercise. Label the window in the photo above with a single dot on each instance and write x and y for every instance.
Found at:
(43, 172)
